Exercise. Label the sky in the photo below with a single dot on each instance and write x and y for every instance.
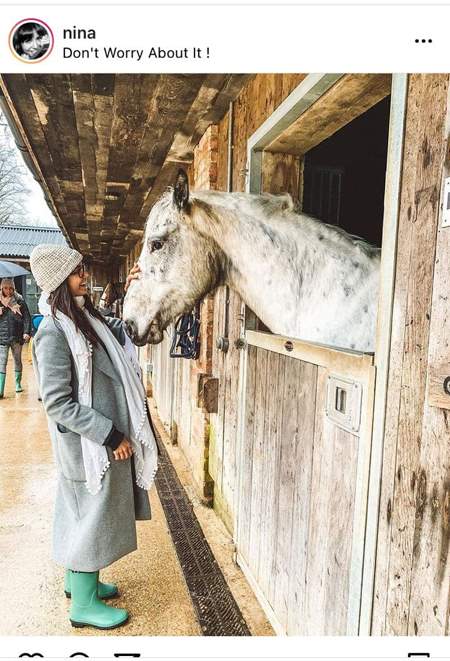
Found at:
(38, 211)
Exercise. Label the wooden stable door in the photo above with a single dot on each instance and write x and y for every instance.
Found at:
(303, 468)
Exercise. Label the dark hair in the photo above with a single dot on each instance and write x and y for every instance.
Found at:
(26, 30)
(62, 300)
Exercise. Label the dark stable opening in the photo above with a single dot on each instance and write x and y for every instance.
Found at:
(344, 176)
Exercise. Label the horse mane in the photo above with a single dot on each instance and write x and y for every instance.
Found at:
(269, 204)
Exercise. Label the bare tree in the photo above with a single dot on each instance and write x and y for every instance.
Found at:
(13, 188)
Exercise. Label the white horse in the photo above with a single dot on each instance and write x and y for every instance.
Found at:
(301, 277)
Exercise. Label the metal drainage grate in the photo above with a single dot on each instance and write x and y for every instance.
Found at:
(217, 612)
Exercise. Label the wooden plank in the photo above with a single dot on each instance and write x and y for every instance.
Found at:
(314, 621)
(53, 99)
(276, 443)
(217, 420)
(345, 361)
(339, 530)
(439, 383)
(402, 482)
(231, 402)
(258, 468)
(429, 612)
(270, 470)
(289, 442)
(222, 154)
(349, 98)
(322, 471)
(302, 460)
(246, 468)
(169, 104)
(384, 333)
(240, 111)
(93, 116)
(210, 105)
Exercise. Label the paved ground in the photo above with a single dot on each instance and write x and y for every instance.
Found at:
(150, 580)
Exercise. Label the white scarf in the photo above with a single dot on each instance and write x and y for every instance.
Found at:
(95, 457)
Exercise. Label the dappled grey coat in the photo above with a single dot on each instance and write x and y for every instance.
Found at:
(90, 532)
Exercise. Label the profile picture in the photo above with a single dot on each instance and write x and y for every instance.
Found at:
(31, 40)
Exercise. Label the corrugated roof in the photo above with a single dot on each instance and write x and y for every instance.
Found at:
(19, 240)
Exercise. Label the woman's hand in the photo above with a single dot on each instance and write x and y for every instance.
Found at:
(133, 275)
(26, 337)
(124, 450)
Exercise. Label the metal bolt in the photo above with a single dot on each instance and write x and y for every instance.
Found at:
(447, 385)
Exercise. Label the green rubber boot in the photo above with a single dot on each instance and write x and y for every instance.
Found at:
(105, 590)
(19, 382)
(2, 384)
(86, 609)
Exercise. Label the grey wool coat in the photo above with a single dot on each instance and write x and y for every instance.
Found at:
(89, 532)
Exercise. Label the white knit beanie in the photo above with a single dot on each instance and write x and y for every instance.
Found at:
(51, 265)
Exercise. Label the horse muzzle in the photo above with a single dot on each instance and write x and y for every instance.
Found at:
(154, 335)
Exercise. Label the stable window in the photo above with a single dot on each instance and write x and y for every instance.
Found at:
(329, 140)
(344, 176)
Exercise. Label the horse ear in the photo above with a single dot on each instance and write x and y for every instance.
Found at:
(181, 190)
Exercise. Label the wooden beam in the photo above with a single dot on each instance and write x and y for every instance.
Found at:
(169, 105)
(211, 104)
(349, 97)
(52, 95)
(93, 114)
(412, 568)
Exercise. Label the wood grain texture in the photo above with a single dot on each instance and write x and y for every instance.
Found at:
(439, 380)
(402, 602)
(105, 142)
(350, 97)
(281, 174)
(297, 496)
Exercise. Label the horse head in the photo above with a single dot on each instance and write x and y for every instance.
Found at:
(178, 267)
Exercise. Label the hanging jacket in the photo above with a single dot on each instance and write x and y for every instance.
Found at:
(14, 326)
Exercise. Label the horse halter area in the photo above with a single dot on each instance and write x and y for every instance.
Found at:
(305, 534)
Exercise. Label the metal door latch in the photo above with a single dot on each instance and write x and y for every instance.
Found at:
(446, 204)
(344, 399)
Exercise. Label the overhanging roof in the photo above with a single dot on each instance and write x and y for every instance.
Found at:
(105, 146)
(19, 240)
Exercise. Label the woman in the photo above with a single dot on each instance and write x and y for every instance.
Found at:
(104, 447)
(15, 329)
(31, 41)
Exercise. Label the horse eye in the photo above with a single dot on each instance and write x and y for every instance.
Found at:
(155, 245)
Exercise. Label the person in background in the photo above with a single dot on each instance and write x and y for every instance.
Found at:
(15, 329)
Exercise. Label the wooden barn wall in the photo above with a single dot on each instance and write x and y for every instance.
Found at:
(256, 102)
(413, 561)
